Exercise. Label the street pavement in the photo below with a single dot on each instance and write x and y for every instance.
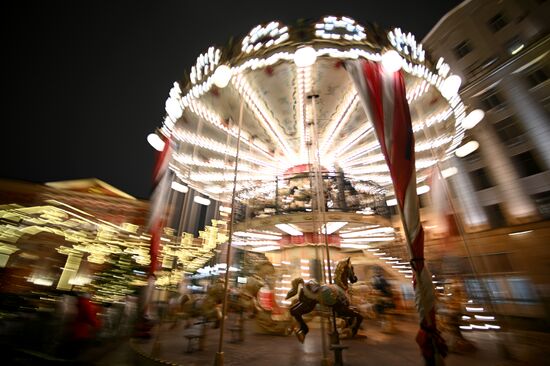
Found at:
(169, 346)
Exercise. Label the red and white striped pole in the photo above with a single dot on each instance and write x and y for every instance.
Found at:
(155, 225)
(158, 202)
(383, 96)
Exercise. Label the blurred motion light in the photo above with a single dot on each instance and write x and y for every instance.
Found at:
(257, 235)
(517, 48)
(225, 209)
(422, 189)
(368, 232)
(467, 149)
(173, 108)
(449, 87)
(449, 172)
(177, 186)
(42, 282)
(289, 229)
(333, 226)
(473, 118)
(392, 202)
(354, 246)
(155, 141)
(201, 200)
(305, 56)
(222, 75)
(520, 232)
(266, 248)
(391, 61)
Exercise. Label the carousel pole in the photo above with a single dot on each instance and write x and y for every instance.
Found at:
(325, 360)
(155, 225)
(219, 360)
(334, 336)
(156, 350)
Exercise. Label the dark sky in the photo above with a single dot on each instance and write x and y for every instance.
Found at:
(85, 81)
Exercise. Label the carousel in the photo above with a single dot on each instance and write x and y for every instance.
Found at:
(273, 128)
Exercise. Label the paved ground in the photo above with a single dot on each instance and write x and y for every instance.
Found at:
(378, 348)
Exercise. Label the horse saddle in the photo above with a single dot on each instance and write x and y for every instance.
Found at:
(311, 289)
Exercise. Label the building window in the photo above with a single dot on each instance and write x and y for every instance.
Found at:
(496, 218)
(474, 289)
(522, 290)
(462, 49)
(480, 179)
(491, 99)
(514, 45)
(537, 77)
(542, 200)
(497, 22)
(526, 164)
(509, 131)
(494, 287)
(473, 157)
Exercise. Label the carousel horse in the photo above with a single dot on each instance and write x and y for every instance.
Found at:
(205, 306)
(333, 295)
(209, 306)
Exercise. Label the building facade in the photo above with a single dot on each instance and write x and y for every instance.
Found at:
(500, 50)
(501, 191)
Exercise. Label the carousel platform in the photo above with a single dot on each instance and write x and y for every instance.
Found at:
(379, 348)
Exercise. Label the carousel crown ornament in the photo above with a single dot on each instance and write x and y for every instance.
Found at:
(307, 133)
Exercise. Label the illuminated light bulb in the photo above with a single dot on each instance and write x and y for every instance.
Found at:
(177, 186)
(222, 75)
(472, 119)
(201, 200)
(422, 189)
(305, 56)
(450, 86)
(155, 141)
(449, 172)
(289, 229)
(467, 149)
(391, 61)
(173, 108)
(226, 210)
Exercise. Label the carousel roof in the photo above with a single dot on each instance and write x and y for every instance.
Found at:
(276, 82)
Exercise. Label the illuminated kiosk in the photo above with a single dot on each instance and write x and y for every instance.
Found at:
(272, 126)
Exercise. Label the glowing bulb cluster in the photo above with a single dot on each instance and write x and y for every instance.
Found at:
(260, 36)
(406, 44)
(340, 28)
(206, 63)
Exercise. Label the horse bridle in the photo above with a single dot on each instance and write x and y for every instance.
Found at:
(351, 275)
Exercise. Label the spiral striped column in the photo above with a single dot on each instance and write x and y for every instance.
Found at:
(383, 97)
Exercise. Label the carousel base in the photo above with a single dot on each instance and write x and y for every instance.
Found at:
(378, 348)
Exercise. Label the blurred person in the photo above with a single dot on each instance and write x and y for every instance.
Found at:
(83, 328)
(128, 315)
(109, 316)
(451, 316)
(65, 315)
(384, 300)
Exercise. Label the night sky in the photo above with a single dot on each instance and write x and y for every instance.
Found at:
(85, 81)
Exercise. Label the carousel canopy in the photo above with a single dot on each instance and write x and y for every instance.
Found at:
(287, 78)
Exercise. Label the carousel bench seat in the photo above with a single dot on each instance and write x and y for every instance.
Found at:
(236, 333)
(193, 336)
